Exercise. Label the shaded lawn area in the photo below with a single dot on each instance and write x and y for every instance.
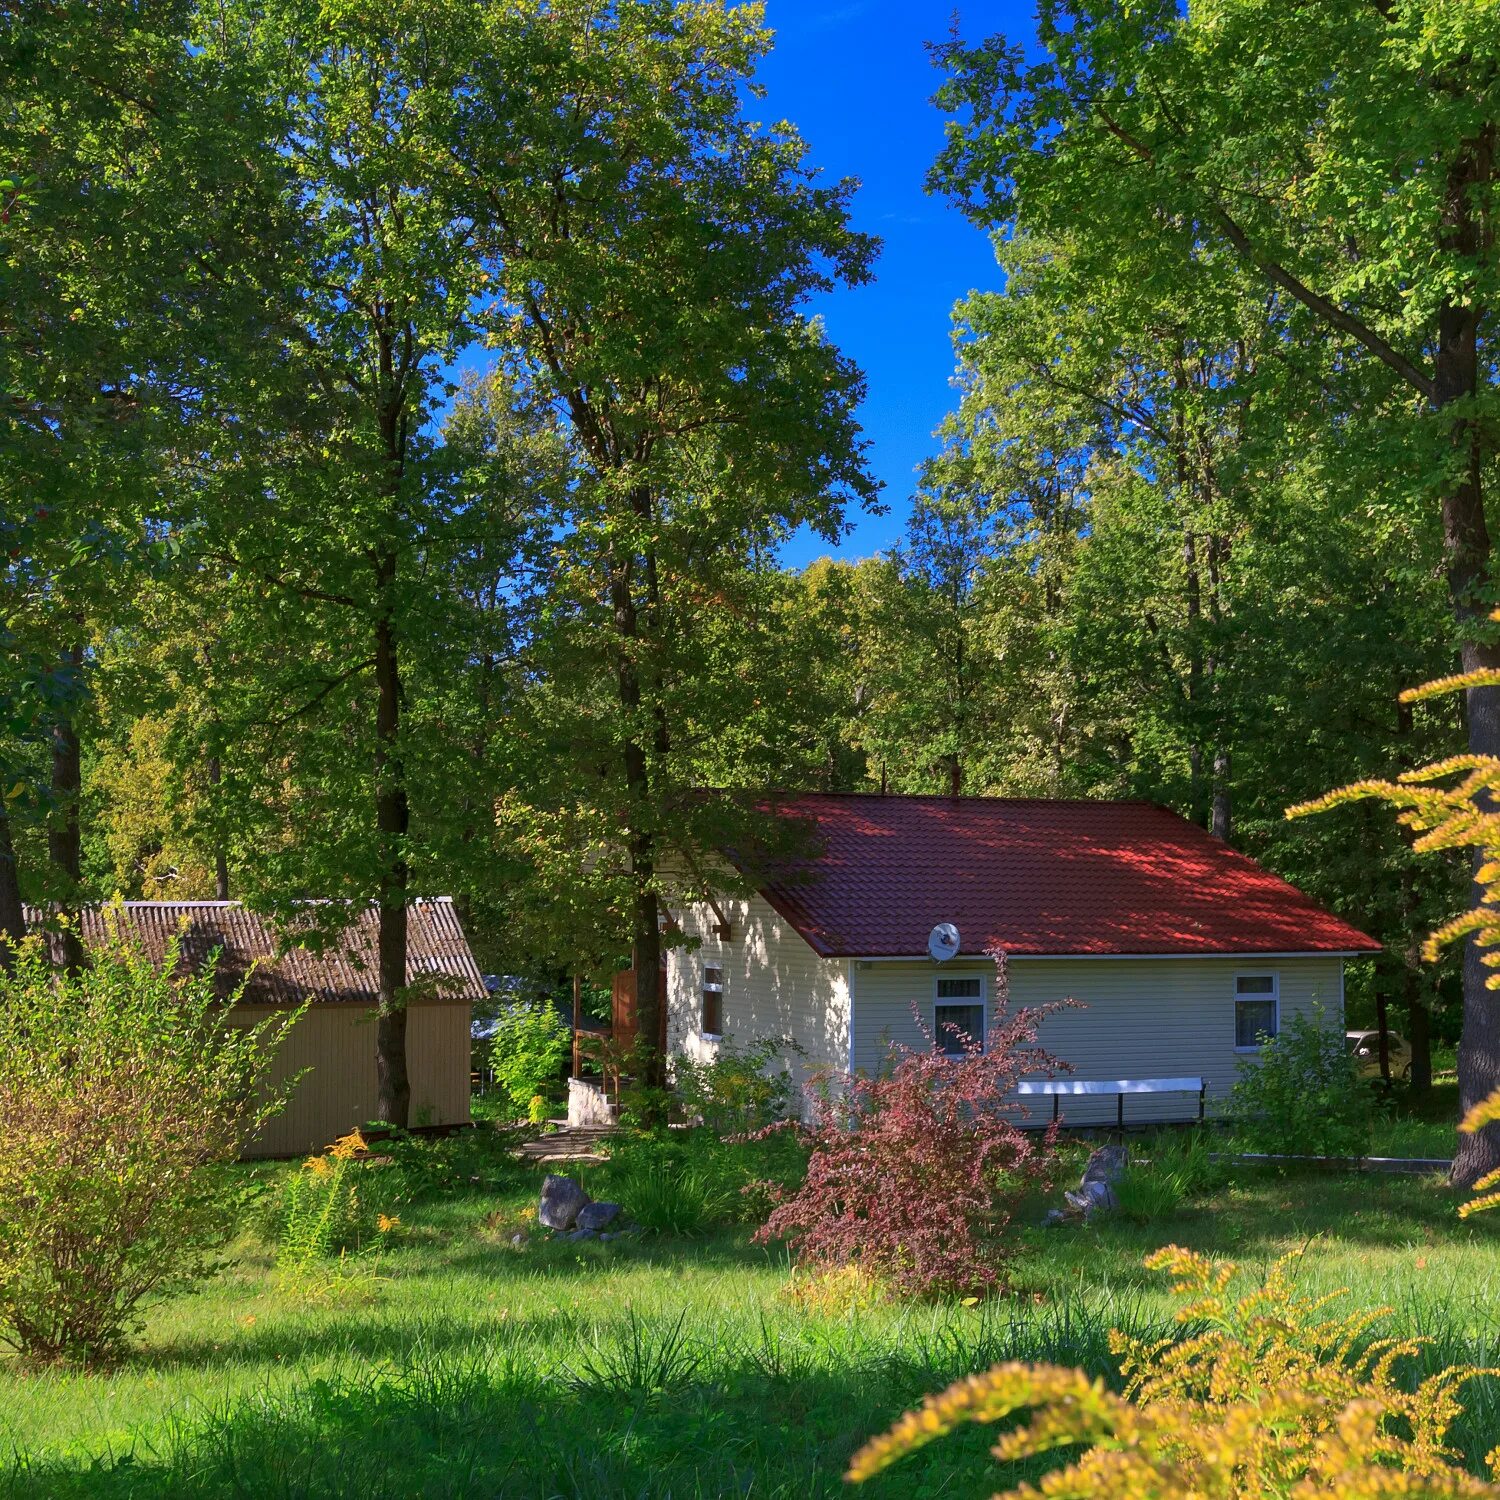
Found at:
(665, 1368)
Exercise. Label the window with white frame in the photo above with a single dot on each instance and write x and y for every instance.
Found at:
(1257, 1009)
(958, 1014)
(711, 1015)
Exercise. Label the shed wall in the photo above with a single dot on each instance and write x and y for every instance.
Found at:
(774, 985)
(1140, 1017)
(336, 1045)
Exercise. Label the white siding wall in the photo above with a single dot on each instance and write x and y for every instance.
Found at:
(1142, 1017)
(774, 985)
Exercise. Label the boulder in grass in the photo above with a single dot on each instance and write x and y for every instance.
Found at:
(562, 1200)
(597, 1216)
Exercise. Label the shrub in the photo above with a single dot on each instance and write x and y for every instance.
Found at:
(738, 1091)
(1270, 1395)
(1303, 1094)
(916, 1173)
(122, 1087)
(531, 1040)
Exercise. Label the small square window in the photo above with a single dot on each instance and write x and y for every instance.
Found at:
(1257, 1010)
(711, 1014)
(958, 1021)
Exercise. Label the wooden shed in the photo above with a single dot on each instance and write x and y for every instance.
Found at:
(335, 1041)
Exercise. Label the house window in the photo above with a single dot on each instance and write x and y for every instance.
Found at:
(958, 1014)
(1257, 1010)
(711, 1016)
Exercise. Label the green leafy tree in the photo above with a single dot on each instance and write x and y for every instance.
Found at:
(651, 250)
(131, 197)
(1341, 157)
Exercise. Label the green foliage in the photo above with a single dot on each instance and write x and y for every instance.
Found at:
(1302, 1094)
(738, 1090)
(1164, 1174)
(1272, 1397)
(123, 1087)
(530, 1042)
(689, 1182)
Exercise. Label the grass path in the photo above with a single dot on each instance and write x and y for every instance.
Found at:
(662, 1368)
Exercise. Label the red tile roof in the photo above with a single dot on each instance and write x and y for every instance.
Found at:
(1036, 877)
(345, 972)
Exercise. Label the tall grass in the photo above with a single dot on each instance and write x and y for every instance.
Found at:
(653, 1404)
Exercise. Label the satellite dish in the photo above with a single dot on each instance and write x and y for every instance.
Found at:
(942, 942)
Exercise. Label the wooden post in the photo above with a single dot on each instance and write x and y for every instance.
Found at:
(1120, 1112)
(577, 1021)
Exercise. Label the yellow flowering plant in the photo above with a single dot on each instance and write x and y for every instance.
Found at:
(327, 1225)
(1452, 804)
(1270, 1393)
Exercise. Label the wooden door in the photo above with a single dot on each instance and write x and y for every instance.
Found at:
(623, 1015)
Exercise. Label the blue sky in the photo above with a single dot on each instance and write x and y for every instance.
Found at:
(855, 78)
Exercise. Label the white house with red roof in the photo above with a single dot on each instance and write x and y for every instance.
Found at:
(1182, 952)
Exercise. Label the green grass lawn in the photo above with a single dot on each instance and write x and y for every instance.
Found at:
(669, 1367)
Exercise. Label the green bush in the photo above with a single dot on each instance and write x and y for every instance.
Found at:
(1302, 1095)
(531, 1040)
(738, 1090)
(122, 1088)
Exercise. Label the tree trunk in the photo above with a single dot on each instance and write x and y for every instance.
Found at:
(12, 913)
(1219, 822)
(645, 929)
(1419, 1036)
(1467, 560)
(64, 835)
(392, 819)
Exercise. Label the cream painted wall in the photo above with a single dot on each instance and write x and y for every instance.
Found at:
(1140, 1017)
(336, 1044)
(774, 985)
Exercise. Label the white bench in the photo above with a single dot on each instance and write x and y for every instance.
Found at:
(1058, 1087)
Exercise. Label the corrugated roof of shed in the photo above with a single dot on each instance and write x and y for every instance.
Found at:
(345, 972)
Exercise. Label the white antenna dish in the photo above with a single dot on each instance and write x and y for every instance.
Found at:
(942, 942)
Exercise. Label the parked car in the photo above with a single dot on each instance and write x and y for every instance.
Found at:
(1365, 1048)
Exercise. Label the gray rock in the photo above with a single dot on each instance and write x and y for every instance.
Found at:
(562, 1198)
(1055, 1219)
(598, 1216)
(1106, 1165)
(518, 1240)
(1091, 1197)
(582, 1234)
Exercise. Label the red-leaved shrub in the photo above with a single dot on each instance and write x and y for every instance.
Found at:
(915, 1173)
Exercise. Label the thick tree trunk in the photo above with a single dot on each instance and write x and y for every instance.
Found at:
(1467, 558)
(1219, 819)
(12, 914)
(392, 818)
(640, 834)
(64, 833)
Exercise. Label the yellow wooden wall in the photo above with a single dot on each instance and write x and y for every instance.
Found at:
(336, 1045)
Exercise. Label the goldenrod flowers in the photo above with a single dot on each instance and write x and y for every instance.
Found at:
(1273, 1396)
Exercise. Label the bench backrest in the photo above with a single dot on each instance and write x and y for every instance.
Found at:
(1117, 1086)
